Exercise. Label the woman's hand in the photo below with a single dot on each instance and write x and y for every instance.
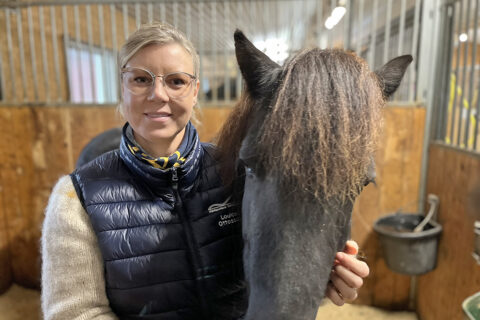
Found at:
(347, 275)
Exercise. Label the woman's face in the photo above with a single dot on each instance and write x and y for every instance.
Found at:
(157, 120)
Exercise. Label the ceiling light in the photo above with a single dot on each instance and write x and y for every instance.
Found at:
(335, 17)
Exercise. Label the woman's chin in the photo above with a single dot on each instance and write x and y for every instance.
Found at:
(165, 136)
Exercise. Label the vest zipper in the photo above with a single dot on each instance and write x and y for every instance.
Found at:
(194, 256)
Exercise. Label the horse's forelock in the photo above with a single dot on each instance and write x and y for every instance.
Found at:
(321, 133)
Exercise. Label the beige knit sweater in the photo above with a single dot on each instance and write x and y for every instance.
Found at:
(73, 283)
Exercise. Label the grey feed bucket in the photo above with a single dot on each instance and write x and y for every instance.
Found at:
(406, 251)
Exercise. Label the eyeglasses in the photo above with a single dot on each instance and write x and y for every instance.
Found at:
(140, 82)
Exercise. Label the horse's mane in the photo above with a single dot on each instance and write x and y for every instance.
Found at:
(320, 134)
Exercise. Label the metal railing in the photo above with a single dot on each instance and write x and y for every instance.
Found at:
(457, 103)
(382, 30)
(64, 52)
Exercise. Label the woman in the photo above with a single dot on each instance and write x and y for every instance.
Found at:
(135, 232)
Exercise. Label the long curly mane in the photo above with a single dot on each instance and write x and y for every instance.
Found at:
(320, 134)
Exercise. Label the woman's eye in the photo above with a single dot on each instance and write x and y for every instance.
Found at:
(176, 82)
(141, 80)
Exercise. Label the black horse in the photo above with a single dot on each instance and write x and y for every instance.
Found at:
(305, 135)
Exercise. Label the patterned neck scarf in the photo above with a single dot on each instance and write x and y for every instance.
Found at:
(185, 162)
(175, 160)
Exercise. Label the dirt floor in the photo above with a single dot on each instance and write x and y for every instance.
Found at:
(20, 304)
(330, 311)
(24, 304)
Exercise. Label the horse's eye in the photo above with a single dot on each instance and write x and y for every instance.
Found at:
(247, 167)
(249, 170)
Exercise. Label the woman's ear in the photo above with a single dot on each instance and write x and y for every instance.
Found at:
(197, 87)
(195, 92)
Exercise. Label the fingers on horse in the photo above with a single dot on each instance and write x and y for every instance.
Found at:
(344, 289)
(358, 267)
(351, 247)
(352, 279)
(334, 295)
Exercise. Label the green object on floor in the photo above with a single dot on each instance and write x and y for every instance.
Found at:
(471, 307)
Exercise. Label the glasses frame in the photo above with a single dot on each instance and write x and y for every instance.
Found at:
(160, 76)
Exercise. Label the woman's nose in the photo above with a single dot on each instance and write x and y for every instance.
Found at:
(159, 91)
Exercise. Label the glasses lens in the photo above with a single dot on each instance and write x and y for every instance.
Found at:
(138, 81)
(178, 84)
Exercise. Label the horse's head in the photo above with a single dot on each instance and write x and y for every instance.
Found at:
(305, 133)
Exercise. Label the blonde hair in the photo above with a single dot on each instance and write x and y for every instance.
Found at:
(155, 33)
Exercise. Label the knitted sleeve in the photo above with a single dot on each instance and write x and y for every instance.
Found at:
(73, 283)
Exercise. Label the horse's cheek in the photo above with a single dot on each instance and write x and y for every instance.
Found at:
(247, 211)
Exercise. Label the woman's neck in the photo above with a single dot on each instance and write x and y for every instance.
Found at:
(161, 147)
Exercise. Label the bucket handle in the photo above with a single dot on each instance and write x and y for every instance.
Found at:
(433, 200)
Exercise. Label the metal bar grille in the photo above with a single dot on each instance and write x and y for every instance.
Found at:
(455, 79)
(463, 103)
(387, 31)
(10, 54)
(401, 28)
(373, 34)
(469, 141)
(88, 13)
(22, 54)
(459, 103)
(43, 43)
(447, 33)
(125, 20)
(81, 49)
(416, 27)
(214, 53)
(78, 40)
(150, 12)
(32, 52)
(138, 20)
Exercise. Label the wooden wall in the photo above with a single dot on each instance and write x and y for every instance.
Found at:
(454, 176)
(397, 187)
(40, 144)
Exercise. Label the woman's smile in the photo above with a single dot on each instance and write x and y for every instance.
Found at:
(158, 116)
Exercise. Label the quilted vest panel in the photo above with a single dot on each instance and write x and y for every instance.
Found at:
(164, 258)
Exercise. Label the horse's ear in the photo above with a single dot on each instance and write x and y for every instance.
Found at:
(257, 69)
(392, 73)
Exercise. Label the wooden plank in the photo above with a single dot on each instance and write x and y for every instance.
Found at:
(5, 266)
(391, 197)
(211, 120)
(22, 222)
(362, 222)
(398, 165)
(87, 122)
(452, 175)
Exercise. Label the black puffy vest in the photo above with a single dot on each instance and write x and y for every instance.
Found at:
(166, 256)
